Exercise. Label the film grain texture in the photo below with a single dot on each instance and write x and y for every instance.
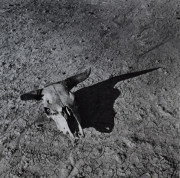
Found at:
(130, 104)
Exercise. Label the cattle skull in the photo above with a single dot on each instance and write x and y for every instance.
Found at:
(60, 105)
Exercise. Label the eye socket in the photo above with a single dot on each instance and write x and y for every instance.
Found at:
(47, 111)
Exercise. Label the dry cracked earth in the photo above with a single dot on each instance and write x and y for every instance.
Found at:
(130, 114)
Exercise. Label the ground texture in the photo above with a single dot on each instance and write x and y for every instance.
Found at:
(131, 117)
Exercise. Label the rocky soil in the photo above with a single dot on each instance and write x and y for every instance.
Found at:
(131, 115)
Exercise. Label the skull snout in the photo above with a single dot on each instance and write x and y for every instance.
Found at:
(66, 120)
(73, 122)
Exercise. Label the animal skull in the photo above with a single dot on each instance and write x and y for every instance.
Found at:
(60, 105)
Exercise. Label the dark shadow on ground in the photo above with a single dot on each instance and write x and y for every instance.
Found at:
(96, 102)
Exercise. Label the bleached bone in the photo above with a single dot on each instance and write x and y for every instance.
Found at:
(60, 105)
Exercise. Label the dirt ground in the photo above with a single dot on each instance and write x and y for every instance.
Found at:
(131, 115)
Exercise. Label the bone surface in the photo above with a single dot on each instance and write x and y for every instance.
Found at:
(60, 105)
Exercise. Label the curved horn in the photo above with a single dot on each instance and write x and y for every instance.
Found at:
(32, 95)
(74, 80)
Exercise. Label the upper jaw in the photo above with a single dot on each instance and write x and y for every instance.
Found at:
(72, 122)
(68, 123)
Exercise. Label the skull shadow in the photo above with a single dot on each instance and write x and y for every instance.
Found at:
(95, 103)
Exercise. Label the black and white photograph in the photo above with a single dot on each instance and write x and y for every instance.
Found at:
(90, 88)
